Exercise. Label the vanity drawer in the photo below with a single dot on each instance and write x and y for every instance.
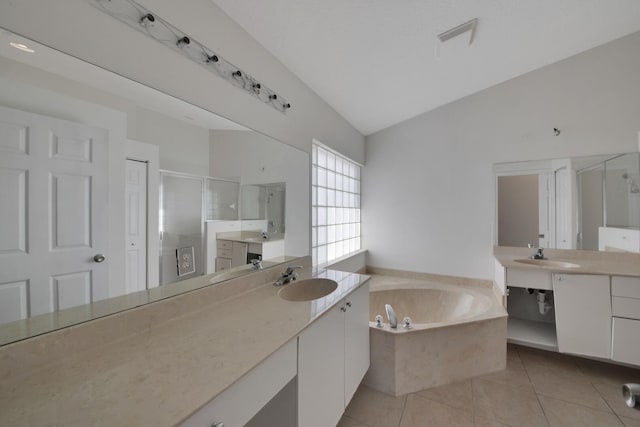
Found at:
(223, 264)
(255, 248)
(529, 278)
(626, 335)
(626, 307)
(225, 244)
(625, 287)
(225, 253)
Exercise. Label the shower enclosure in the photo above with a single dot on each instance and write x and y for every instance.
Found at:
(186, 201)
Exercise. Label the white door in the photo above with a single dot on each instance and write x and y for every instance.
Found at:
(53, 232)
(136, 226)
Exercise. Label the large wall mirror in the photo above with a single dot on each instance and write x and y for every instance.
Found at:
(114, 194)
(586, 203)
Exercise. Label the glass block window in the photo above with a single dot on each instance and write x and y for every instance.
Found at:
(335, 205)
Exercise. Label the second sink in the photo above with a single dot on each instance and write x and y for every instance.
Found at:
(547, 263)
(307, 290)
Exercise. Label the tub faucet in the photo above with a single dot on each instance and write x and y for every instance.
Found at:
(391, 315)
(289, 275)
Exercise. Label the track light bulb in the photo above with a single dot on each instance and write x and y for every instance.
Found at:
(147, 20)
(184, 42)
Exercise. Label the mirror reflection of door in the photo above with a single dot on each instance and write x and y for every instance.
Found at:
(54, 228)
(522, 210)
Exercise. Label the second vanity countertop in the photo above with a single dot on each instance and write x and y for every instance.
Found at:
(164, 374)
(589, 262)
(248, 237)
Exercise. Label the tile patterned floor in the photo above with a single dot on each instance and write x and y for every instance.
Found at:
(538, 388)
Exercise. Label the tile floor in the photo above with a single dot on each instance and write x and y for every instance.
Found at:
(538, 388)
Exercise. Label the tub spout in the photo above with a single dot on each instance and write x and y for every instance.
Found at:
(391, 315)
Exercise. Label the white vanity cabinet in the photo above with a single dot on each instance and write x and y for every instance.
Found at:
(333, 356)
(583, 314)
(625, 304)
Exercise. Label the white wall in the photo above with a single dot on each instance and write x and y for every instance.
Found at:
(183, 147)
(260, 160)
(82, 30)
(428, 191)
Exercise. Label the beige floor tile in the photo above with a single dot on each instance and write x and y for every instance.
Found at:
(565, 414)
(608, 372)
(535, 360)
(508, 404)
(375, 409)
(612, 393)
(345, 421)
(486, 422)
(570, 388)
(630, 422)
(458, 395)
(420, 412)
(509, 376)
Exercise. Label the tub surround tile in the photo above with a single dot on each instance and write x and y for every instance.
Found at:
(375, 409)
(564, 414)
(428, 277)
(433, 354)
(420, 412)
(182, 352)
(507, 404)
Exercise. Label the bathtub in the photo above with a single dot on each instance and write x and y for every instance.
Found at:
(458, 332)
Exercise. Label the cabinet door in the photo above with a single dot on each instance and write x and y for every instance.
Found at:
(356, 338)
(583, 314)
(239, 256)
(321, 371)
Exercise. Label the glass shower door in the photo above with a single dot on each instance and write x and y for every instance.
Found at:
(181, 227)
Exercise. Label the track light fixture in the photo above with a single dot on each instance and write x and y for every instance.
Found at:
(147, 20)
(150, 24)
(184, 42)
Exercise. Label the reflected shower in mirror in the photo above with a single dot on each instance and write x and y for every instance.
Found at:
(100, 175)
(586, 203)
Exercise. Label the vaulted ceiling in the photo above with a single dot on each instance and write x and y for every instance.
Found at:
(379, 62)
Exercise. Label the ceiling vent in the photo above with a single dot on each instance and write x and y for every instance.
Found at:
(469, 26)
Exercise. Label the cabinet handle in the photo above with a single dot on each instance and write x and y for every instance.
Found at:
(348, 304)
(559, 278)
(343, 308)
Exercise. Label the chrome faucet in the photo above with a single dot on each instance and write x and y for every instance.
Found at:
(289, 275)
(256, 264)
(538, 255)
(391, 315)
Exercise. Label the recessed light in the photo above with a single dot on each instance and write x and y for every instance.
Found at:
(22, 47)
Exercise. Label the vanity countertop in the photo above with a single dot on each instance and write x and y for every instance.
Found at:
(248, 237)
(588, 262)
(166, 371)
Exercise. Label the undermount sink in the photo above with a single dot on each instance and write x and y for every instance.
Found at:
(307, 290)
(547, 263)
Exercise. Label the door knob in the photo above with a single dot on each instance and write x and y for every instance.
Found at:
(99, 258)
